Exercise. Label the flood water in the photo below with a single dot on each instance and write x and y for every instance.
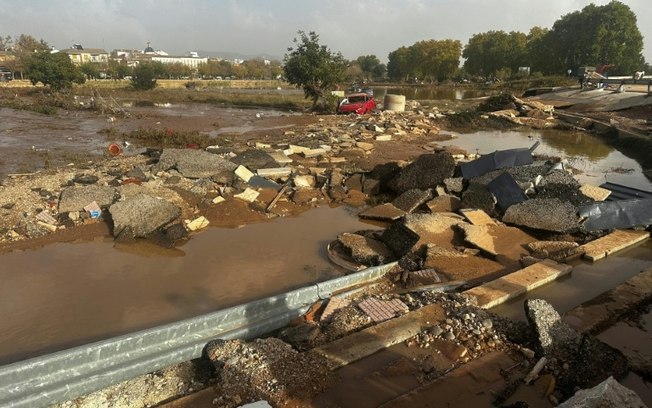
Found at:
(597, 161)
(421, 93)
(72, 293)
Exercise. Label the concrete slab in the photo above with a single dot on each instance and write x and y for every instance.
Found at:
(248, 195)
(274, 172)
(412, 199)
(373, 339)
(479, 237)
(383, 212)
(609, 307)
(477, 217)
(517, 283)
(616, 241)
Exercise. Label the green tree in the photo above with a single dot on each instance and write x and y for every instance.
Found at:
(495, 51)
(53, 70)
(313, 67)
(178, 70)
(23, 47)
(596, 35)
(90, 70)
(5, 43)
(371, 67)
(144, 76)
(398, 64)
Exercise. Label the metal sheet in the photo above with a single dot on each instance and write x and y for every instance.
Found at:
(496, 160)
(621, 192)
(506, 191)
(617, 214)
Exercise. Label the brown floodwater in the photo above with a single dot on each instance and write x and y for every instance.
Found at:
(68, 294)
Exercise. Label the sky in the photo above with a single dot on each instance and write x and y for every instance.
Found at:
(267, 27)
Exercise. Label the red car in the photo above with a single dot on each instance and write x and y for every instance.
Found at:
(359, 103)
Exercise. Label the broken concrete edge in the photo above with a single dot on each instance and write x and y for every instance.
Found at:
(369, 341)
(517, 283)
(609, 244)
(609, 307)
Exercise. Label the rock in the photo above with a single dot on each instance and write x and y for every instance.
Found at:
(609, 393)
(76, 198)
(365, 146)
(365, 250)
(254, 159)
(197, 224)
(554, 337)
(371, 186)
(454, 184)
(478, 196)
(354, 182)
(193, 163)
(244, 173)
(412, 199)
(479, 237)
(85, 179)
(300, 334)
(305, 195)
(383, 212)
(136, 173)
(444, 203)
(337, 193)
(425, 172)
(556, 250)
(223, 177)
(306, 181)
(549, 214)
(384, 173)
(399, 238)
(141, 215)
(174, 233)
(249, 195)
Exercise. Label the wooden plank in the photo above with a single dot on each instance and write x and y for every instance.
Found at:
(517, 283)
(383, 335)
(616, 241)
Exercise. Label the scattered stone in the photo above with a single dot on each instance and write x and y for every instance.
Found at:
(383, 212)
(141, 215)
(305, 181)
(425, 172)
(244, 173)
(197, 224)
(174, 233)
(554, 336)
(254, 159)
(365, 250)
(365, 146)
(454, 185)
(192, 163)
(557, 250)
(371, 186)
(354, 182)
(384, 138)
(549, 214)
(444, 203)
(337, 193)
(137, 173)
(75, 198)
(276, 172)
(412, 199)
(249, 195)
(85, 179)
(280, 157)
(609, 393)
(478, 196)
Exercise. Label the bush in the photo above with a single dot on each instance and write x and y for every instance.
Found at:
(144, 77)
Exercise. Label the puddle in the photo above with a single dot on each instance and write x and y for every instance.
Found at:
(72, 293)
(597, 161)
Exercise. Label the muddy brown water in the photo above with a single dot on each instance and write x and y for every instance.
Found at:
(68, 294)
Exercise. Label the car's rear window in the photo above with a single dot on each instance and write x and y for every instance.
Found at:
(356, 99)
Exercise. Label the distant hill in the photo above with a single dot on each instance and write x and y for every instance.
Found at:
(235, 55)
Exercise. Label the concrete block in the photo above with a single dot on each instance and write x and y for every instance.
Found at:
(477, 217)
(595, 192)
(275, 172)
(249, 195)
(607, 245)
(517, 283)
(244, 173)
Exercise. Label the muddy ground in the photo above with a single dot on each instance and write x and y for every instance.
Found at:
(36, 171)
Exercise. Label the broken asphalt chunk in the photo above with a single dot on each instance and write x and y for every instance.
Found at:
(75, 198)
(141, 215)
(425, 172)
(383, 212)
(549, 214)
(412, 199)
(193, 163)
(365, 250)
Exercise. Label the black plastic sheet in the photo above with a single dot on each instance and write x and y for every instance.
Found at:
(496, 160)
(617, 214)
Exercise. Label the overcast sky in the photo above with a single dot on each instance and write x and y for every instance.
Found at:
(254, 27)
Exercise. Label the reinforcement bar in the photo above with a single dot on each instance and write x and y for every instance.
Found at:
(68, 374)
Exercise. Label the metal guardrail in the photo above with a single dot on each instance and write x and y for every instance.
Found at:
(626, 81)
(68, 374)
